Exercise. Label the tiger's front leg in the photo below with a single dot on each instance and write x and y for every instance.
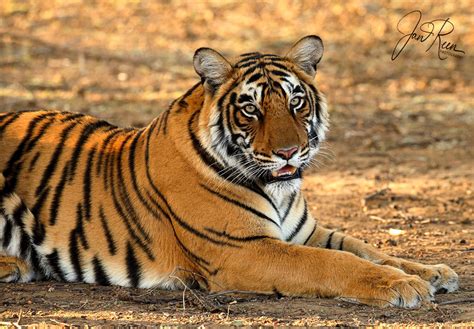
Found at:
(440, 276)
(270, 265)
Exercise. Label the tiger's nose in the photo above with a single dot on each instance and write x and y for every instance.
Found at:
(286, 153)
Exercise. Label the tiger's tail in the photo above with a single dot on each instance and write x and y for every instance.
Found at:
(19, 261)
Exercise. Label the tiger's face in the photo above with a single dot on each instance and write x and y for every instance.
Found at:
(267, 118)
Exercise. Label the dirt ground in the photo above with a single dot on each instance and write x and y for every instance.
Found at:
(397, 169)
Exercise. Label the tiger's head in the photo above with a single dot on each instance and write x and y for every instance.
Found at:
(265, 117)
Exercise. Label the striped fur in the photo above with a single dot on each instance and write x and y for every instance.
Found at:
(207, 193)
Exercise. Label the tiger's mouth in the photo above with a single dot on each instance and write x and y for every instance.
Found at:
(285, 173)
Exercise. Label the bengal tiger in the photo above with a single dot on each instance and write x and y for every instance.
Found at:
(208, 195)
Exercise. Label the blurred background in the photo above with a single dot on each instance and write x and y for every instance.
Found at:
(399, 154)
(120, 58)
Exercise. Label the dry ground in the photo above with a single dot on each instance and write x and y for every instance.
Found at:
(399, 154)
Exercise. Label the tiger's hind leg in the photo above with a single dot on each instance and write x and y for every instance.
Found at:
(13, 269)
(19, 261)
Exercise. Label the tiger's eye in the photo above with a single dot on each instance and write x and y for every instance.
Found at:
(295, 101)
(250, 109)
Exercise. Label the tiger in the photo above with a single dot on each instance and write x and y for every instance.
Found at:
(207, 196)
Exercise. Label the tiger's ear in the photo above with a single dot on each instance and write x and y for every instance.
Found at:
(307, 53)
(212, 67)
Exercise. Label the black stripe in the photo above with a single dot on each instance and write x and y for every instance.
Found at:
(25, 245)
(58, 191)
(33, 161)
(89, 130)
(207, 158)
(183, 223)
(108, 234)
(72, 117)
(87, 185)
(279, 73)
(247, 72)
(300, 225)
(260, 192)
(131, 231)
(17, 214)
(242, 98)
(248, 60)
(279, 65)
(318, 107)
(310, 235)
(254, 78)
(133, 267)
(103, 147)
(7, 233)
(115, 159)
(201, 262)
(237, 238)
(288, 209)
(35, 262)
(164, 125)
(75, 255)
(341, 244)
(99, 272)
(328, 243)
(11, 117)
(42, 130)
(53, 260)
(239, 204)
(53, 163)
(182, 100)
(13, 166)
(39, 230)
(108, 161)
(132, 171)
(80, 226)
(123, 191)
(194, 231)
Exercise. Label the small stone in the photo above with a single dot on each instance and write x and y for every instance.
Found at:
(392, 242)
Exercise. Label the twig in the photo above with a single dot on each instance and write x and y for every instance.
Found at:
(60, 323)
(194, 294)
(15, 324)
(457, 301)
(376, 194)
(380, 219)
(227, 292)
(84, 304)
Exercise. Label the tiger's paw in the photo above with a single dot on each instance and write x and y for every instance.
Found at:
(392, 287)
(440, 276)
(13, 269)
(9, 272)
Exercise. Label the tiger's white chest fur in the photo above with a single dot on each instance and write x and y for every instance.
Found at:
(295, 222)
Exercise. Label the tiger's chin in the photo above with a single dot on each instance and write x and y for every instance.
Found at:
(283, 188)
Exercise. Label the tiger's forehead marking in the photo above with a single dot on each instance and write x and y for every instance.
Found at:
(290, 85)
(253, 90)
